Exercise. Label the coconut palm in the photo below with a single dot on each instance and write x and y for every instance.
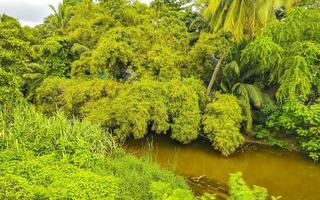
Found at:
(61, 16)
(242, 18)
(250, 95)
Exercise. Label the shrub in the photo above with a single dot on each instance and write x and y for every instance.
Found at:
(72, 94)
(222, 122)
(44, 158)
(239, 190)
(160, 106)
(301, 120)
(28, 130)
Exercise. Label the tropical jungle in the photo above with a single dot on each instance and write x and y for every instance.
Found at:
(87, 97)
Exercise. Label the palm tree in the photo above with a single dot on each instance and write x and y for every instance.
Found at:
(248, 95)
(232, 80)
(242, 18)
(61, 16)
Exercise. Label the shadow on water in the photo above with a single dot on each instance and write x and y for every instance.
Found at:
(289, 174)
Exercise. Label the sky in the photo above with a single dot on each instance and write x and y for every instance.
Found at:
(30, 12)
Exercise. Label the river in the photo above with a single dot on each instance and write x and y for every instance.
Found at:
(289, 174)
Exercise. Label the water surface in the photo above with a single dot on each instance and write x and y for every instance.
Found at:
(289, 174)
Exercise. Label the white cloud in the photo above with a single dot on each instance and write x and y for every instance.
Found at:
(29, 12)
(146, 1)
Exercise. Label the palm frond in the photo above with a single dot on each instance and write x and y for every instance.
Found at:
(250, 94)
(247, 113)
(231, 17)
(241, 17)
(53, 9)
(233, 68)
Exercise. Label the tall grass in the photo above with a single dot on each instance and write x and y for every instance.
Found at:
(27, 129)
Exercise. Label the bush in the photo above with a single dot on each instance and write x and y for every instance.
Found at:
(163, 191)
(239, 190)
(9, 88)
(46, 177)
(44, 158)
(72, 94)
(129, 109)
(222, 122)
(15, 188)
(28, 130)
(303, 121)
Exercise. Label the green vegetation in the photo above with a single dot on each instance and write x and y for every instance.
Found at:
(239, 190)
(301, 121)
(44, 158)
(57, 158)
(145, 68)
(222, 123)
(141, 69)
(97, 73)
(242, 18)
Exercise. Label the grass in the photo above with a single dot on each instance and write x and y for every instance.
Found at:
(52, 158)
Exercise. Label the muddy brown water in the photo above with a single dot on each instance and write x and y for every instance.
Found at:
(289, 174)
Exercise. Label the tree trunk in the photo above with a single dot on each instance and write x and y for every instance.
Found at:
(214, 75)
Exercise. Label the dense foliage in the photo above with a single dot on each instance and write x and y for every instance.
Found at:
(135, 69)
(242, 18)
(45, 158)
(55, 158)
(299, 120)
(99, 72)
(222, 123)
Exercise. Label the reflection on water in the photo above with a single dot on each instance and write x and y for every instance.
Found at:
(289, 174)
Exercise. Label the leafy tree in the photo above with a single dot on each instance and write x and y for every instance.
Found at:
(153, 105)
(55, 55)
(165, 63)
(87, 24)
(119, 51)
(209, 50)
(177, 4)
(129, 109)
(14, 59)
(61, 17)
(15, 49)
(132, 111)
(128, 51)
(221, 123)
(71, 95)
(184, 109)
(289, 56)
(10, 86)
(295, 118)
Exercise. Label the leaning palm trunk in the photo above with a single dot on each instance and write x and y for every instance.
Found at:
(214, 75)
